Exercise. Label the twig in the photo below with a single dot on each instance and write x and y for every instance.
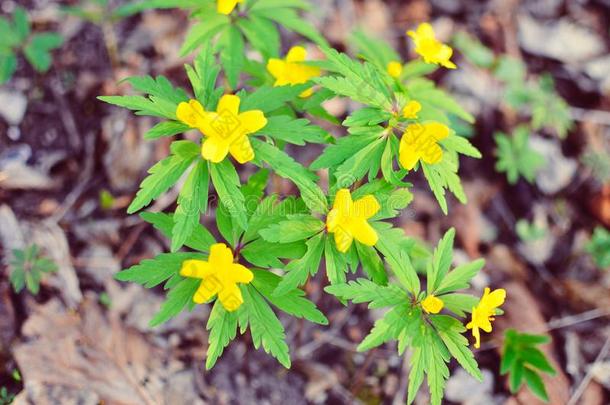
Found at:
(589, 376)
(66, 114)
(594, 116)
(83, 181)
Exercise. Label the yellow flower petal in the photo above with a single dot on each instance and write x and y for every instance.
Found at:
(394, 69)
(411, 109)
(296, 54)
(364, 233)
(241, 150)
(366, 207)
(227, 6)
(343, 239)
(483, 313)
(432, 304)
(191, 113)
(220, 276)
(253, 120)
(276, 67)
(420, 142)
(429, 48)
(215, 149)
(229, 104)
(347, 220)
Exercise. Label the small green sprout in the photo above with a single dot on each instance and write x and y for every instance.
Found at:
(599, 247)
(515, 157)
(28, 266)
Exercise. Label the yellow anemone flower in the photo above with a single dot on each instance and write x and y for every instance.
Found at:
(225, 130)
(348, 220)
(411, 109)
(420, 141)
(290, 71)
(429, 48)
(483, 313)
(219, 275)
(432, 304)
(227, 6)
(394, 69)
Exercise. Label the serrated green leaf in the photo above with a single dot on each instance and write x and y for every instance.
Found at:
(261, 34)
(152, 272)
(535, 383)
(336, 267)
(166, 128)
(460, 277)
(389, 244)
(363, 290)
(177, 298)
(232, 54)
(227, 185)
(372, 265)
(441, 261)
(265, 327)
(285, 166)
(342, 150)
(223, 329)
(192, 201)
(200, 239)
(293, 302)
(268, 99)
(450, 331)
(164, 174)
(295, 228)
(203, 76)
(201, 33)
(298, 270)
(386, 328)
(295, 131)
(459, 304)
(267, 254)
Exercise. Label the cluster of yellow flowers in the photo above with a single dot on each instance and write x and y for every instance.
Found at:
(226, 131)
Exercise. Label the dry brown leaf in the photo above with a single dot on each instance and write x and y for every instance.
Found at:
(522, 313)
(89, 351)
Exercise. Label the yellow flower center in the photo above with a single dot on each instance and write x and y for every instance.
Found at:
(432, 304)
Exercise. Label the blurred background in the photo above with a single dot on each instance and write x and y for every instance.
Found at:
(536, 74)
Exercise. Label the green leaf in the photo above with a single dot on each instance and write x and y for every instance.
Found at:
(355, 167)
(261, 34)
(269, 212)
(515, 157)
(516, 376)
(177, 298)
(298, 270)
(192, 201)
(223, 329)
(389, 244)
(265, 328)
(166, 128)
(290, 20)
(359, 81)
(232, 54)
(165, 174)
(286, 167)
(460, 277)
(227, 185)
(295, 228)
(443, 175)
(268, 99)
(371, 263)
(430, 97)
(459, 304)
(21, 23)
(292, 302)
(266, 254)
(416, 375)
(343, 149)
(336, 267)
(362, 290)
(436, 368)
(8, 65)
(450, 331)
(535, 383)
(37, 49)
(443, 255)
(200, 239)
(202, 33)
(152, 272)
(461, 145)
(375, 50)
(387, 328)
(203, 76)
(295, 131)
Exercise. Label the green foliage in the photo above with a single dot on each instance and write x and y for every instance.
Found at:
(515, 157)
(283, 240)
(28, 267)
(523, 361)
(529, 232)
(599, 247)
(599, 164)
(6, 397)
(17, 36)
(434, 339)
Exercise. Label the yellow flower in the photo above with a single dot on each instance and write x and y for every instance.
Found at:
(420, 141)
(290, 71)
(394, 69)
(219, 275)
(347, 220)
(432, 304)
(484, 312)
(429, 48)
(411, 109)
(226, 6)
(225, 130)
